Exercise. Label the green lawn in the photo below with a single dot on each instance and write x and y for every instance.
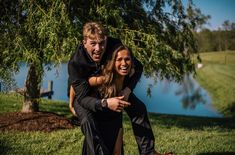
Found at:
(217, 76)
(180, 134)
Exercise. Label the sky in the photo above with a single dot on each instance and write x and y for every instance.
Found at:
(219, 10)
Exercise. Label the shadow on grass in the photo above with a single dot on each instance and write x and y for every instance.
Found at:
(230, 110)
(5, 148)
(60, 108)
(217, 153)
(189, 122)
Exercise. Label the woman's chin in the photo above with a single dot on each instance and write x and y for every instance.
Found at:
(123, 73)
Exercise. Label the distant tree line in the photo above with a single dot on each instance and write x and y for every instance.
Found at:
(218, 40)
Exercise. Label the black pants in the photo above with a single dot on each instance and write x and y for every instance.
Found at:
(141, 126)
(100, 130)
(94, 143)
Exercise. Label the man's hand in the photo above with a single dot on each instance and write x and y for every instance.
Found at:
(117, 104)
(96, 80)
(125, 92)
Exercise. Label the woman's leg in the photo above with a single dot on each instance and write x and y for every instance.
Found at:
(141, 126)
(110, 123)
(119, 143)
(93, 142)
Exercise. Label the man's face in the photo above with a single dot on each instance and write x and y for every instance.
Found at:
(95, 48)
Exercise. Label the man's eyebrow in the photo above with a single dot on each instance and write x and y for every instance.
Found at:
(100, 42)
(93, 41)
(97, 41)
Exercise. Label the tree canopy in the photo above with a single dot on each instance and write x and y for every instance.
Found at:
(43, 32)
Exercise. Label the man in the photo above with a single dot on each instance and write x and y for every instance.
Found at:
(86, 62)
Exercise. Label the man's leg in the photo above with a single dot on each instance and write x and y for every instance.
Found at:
(141, 125)
(93, 143)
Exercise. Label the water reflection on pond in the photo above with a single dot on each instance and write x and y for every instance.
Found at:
(187, 98)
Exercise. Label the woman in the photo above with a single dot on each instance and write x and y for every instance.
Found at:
(110, 84)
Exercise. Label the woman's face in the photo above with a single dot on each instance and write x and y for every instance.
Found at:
(123, 62)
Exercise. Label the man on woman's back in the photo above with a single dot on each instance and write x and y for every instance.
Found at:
(85, 63)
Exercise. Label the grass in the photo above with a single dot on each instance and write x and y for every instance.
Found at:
(217, 76)
(180, 134)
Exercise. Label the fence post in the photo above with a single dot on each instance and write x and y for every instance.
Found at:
(50, 88)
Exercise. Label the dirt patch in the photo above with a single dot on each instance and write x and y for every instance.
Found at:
(37, 121)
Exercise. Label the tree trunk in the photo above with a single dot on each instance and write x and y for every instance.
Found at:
(32, 92)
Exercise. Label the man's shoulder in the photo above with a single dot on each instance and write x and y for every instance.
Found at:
(113, 41)
(78, 55)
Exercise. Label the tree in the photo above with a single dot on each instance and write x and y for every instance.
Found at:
(206, 40)
(7, 58)
(42, 32)
(160, 39)
(37, 33)
(228, 26)
(198, 20)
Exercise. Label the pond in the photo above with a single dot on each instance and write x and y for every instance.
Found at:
(165, 97)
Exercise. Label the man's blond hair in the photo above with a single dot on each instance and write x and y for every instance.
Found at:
(93, 30)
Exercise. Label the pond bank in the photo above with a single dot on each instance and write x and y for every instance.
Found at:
(217, 76)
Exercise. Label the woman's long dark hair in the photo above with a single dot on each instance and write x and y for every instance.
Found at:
(109, 88)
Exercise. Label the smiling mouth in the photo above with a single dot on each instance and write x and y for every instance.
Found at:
(97, 55)
(123, 69)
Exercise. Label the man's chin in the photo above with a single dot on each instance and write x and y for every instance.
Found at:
(96, 60)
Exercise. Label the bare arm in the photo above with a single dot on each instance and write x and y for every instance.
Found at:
(71, 99)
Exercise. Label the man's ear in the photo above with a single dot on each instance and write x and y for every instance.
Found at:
(84, 41)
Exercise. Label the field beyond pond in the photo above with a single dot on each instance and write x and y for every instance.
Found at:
(217, 76)
(180, 134)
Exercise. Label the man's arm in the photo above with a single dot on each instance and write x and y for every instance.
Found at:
(114, 103)
(96, 80)
(81, 87)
